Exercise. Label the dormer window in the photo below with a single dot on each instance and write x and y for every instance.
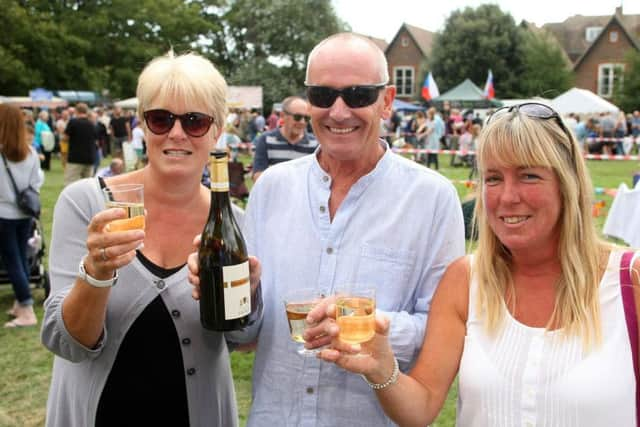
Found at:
(591, 33)
(613, 36)
(404, 41)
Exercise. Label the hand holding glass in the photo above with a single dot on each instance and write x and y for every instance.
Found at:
(298, 303)
(130, 198)
(355, 314)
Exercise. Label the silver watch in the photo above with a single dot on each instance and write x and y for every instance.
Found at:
(82, 274)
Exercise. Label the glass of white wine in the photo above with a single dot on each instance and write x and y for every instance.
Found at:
(355, 314)
(130, 198)
(298, 303)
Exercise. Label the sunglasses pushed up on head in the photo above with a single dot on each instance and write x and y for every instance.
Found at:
(162, 121)
(354, 96)
(534, 110)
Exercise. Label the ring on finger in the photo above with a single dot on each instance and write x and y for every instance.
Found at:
(103, 252)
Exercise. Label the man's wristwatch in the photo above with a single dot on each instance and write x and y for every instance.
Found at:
(82, 274)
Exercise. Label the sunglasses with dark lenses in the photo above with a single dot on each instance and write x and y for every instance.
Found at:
(534, 110)
(298, 117)
(162, 121)
(353, 96)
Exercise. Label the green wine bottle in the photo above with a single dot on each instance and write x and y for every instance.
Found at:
(225, 292)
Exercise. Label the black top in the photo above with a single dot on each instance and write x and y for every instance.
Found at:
(119, 126)
(82, 141)
(146, 385)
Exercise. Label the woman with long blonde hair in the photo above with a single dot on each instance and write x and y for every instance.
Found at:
(533, 323)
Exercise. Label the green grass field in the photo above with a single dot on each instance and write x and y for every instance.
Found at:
(26, 365)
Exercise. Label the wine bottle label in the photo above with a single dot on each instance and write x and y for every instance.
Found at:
(237, 290)
(219, 174)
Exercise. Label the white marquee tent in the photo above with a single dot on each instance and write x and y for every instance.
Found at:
(237, 97)
(582, 101)
(127, 104)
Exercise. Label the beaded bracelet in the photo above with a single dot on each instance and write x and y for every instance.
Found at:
(392, 379)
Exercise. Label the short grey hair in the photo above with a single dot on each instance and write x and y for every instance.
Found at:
(290, 99)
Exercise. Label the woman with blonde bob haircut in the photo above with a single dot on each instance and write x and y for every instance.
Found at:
(135, 353)
(533, 322)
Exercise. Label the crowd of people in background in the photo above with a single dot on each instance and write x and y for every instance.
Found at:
(431, 129)
(81, 137)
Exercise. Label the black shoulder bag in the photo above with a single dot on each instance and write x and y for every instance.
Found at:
(28, 200)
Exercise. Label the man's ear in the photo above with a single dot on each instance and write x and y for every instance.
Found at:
(389, 96)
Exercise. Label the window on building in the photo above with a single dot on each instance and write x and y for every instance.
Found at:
(613, 36)
(609, 77)
(403, 80)
(404, 41)
(591, 33)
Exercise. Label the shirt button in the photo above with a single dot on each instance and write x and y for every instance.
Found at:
(309, 390)
(186, 341)
(191, 371)
(325, 178)
(322, 209)
(329, 251)
(160, 284)
(175, 313)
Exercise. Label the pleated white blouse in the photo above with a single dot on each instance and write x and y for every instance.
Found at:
(526, 377)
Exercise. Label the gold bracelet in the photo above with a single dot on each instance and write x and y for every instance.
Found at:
(392, 379)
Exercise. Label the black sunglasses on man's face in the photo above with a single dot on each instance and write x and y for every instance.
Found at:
(297, 117)
(354, 96)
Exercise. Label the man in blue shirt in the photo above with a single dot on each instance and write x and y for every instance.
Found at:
(354, 212)
(287, 142)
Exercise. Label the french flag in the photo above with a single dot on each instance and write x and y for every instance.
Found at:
(489, 91)
(430, 88)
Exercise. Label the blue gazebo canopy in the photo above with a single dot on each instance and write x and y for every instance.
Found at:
(399, 105)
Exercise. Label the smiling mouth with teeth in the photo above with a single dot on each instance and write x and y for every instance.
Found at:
(341, 130)
(177, 152)
(514, 219)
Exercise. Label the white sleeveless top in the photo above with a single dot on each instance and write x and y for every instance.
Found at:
(524, 377)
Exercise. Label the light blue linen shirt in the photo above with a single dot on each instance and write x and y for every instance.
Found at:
(397, 229)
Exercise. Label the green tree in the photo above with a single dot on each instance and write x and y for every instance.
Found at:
(95, 45)
(474, 41)
(547, 70)
(124, 36)
(627, 95)
(35, 49)
(268, 42)
(103, 45)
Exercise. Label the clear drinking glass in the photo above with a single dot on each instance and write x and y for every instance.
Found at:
(355, 314)
(130, 198)
(298, 303)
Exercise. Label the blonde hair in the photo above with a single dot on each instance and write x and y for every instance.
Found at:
(189, 77)
(514, 139)
(362, 42)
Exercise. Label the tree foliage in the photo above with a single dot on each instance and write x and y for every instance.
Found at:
(525, 61)
(547, 69)
(627, 95)
(474, 41)
(271, 41)
(102, 45)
